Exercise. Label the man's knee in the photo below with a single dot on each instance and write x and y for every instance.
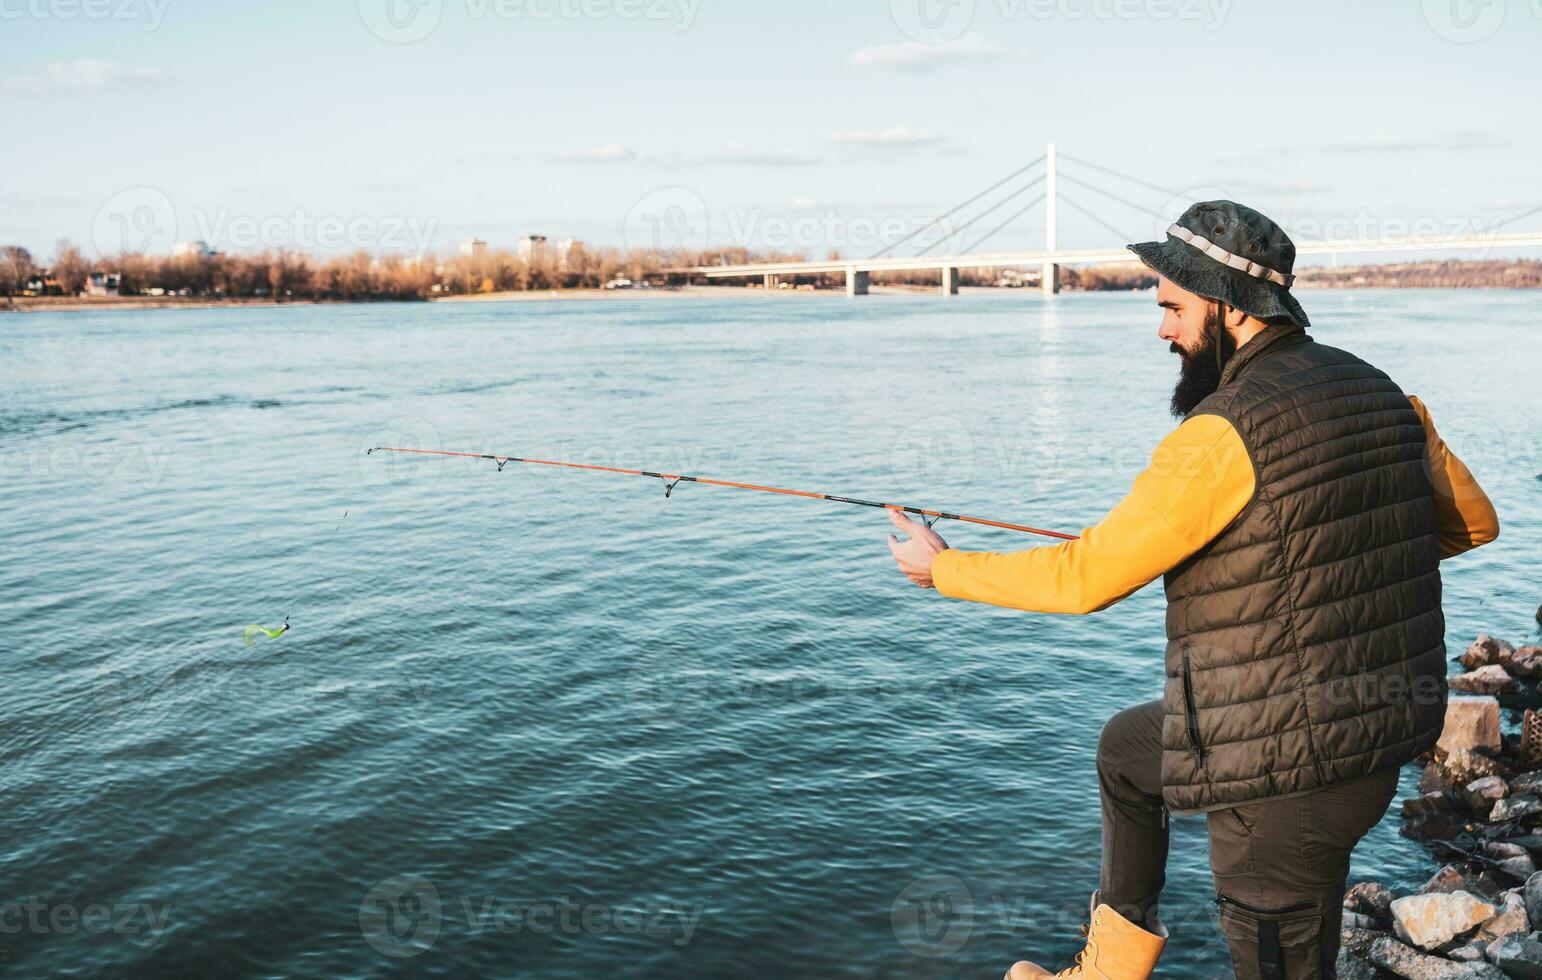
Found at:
(1131, 735)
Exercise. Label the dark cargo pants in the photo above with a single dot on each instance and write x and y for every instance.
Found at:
(1279, 866)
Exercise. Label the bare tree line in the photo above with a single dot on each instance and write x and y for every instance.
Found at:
(287, 275)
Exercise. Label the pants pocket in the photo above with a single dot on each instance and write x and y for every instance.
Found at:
(1332, 821)
(1273, 943)
(1231, 843)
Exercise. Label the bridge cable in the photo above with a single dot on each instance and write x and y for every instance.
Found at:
(1094, 217)
(1112, 196)
(1509, 221)
(1009, 177)
(964, 227)
(992, 233)
(1115, 173)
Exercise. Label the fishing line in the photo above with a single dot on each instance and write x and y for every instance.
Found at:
(672, 480)
(250, 634)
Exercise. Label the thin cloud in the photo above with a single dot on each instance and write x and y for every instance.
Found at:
(1448, 143)
(20, 202)
(87, 76)
(971, 48)
(1266, 186)
(893, 138)
(1457, 141)
(728, 154)
(736, 154)
(609, 153)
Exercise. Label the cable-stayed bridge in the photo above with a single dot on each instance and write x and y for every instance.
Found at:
(1005, 194)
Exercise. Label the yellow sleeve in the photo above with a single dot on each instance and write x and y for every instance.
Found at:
(1464, 516)
(1199, 480)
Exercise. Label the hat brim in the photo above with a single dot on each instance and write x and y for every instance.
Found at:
(1197, 272)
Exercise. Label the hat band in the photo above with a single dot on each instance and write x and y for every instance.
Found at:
(1229, 259)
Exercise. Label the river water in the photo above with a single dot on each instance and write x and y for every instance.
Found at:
(535, 723)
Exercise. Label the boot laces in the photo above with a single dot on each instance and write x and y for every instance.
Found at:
(1075, 969)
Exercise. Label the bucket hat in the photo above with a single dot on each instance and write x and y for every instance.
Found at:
(1226, 251)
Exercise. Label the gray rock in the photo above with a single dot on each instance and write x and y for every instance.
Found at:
(1369, 898)
(1527, 662)
(1492, 679)
(1469, 764)
(1358, 920)
(1520, 957)
(1432, 920)
(1485, 650)
(1439, 801)
(1471, 723)
(1471, 953)
(1527, 782)
(1515, 807)
(1391, 955)
(1435, 826)
(1512, 919)
(1358, 941)
(1352, 967)
(1482, 794)
(1521, 867)
(1532, 893)
(1464, 877)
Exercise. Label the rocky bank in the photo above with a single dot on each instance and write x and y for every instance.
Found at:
(1479, 812)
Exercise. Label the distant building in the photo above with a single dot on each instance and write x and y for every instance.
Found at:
(567, 250)
(473, 248)
(104, 283)
(534, 249)
(193, 250)
(42, 284)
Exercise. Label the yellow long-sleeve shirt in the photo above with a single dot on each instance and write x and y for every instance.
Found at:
(1199, 480)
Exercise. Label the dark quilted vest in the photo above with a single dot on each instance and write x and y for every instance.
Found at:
(1306, 642)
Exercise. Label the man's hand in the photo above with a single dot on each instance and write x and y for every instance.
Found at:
(915, 556)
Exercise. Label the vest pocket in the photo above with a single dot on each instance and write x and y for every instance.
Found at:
(1190, 715)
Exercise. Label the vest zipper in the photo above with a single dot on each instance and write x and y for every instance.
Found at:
(1189, 711)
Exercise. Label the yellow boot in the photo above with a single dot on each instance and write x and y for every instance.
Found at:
(1117, 949)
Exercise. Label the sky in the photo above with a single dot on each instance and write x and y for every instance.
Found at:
(794, 125)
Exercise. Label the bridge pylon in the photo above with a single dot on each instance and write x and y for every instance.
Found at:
(1049, 280)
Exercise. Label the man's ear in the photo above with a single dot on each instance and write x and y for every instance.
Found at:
(1236, 319)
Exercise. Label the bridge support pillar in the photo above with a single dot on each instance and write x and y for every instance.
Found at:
(1050, 279)
(857, 282)
(949, 281)
(770, 280)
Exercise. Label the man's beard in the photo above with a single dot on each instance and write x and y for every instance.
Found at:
(1199, 374)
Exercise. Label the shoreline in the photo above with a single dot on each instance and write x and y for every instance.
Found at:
(61, 304)
(1478, 816)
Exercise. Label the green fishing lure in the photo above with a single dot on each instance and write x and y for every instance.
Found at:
(249, 635)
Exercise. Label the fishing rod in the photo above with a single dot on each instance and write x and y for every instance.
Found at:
(671, 480)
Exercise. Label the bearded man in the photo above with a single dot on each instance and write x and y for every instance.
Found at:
(1299, 514)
